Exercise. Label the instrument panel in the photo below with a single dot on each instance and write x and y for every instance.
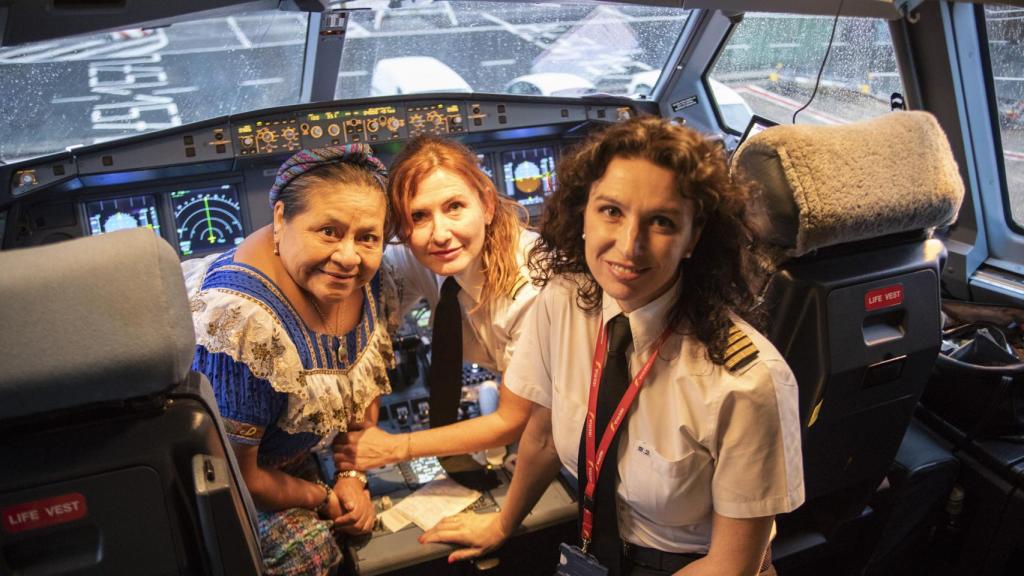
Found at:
(339, 126)
(203, 186)
(267, 136)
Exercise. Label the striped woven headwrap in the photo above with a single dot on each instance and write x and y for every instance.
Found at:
(309, 159)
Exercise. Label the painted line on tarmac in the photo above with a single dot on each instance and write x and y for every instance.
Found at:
(50, 53)
(229, 48)
(72, 99)
(789, 103)
(261, 81)
(1013, 155)
(182, 90)
(242, 38)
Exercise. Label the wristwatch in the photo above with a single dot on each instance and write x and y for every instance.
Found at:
(352, 474)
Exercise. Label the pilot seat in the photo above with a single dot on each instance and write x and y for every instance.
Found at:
(114, 456)
(846, 215)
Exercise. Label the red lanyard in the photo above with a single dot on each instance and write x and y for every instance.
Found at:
(594, 463)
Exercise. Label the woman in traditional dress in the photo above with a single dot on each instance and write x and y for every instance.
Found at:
(293, 332)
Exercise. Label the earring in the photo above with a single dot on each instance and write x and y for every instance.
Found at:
(277, 245)
(583, 236)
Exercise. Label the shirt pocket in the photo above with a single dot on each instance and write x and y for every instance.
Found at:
(668, 491)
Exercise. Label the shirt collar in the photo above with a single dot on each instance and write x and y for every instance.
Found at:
(647, 322)
(471, 280)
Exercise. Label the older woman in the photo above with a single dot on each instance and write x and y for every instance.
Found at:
(636, 350)
(464, 250)
(292, 333)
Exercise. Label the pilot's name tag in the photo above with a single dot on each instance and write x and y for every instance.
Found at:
(574, 562)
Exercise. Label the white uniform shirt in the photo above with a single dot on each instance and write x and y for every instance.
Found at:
(489, 332)
(697, 439)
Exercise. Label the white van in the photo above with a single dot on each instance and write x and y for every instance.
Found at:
(415, 74)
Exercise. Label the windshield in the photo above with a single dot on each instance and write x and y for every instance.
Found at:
(411, 46)
(90, 89)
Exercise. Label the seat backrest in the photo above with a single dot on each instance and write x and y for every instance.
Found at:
(115, 457)
(853, 298)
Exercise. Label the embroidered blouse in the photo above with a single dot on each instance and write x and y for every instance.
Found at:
(279, 384)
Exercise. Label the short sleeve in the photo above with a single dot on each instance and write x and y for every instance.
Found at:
(247, 404)
(511, 324)
(758, 465)
(529, 370)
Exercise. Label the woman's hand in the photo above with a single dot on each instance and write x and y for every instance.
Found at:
(478, 534)
(356, 514)
(333, 509)
(370, 448)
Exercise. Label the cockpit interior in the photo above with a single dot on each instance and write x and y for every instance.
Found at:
(138, 135)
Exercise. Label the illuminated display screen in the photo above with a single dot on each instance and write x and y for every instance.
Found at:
(529, 174)
(484, 162)
(207, 219)
(123, 213)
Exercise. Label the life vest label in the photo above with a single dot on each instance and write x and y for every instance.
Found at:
(886, 297)
(43, 513)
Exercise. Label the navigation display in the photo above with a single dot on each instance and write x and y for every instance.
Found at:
(207, 219)
(484, 162)
(529, 174)
(115, 214)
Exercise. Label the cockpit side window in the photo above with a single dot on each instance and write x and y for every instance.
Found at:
(1004, 26)
(770, 62)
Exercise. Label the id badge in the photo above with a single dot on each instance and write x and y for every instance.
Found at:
(574, 562)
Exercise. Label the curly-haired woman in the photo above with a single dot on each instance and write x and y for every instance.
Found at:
(637, 348)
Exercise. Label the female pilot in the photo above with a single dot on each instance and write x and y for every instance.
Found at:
(636, 349)
(464, 241)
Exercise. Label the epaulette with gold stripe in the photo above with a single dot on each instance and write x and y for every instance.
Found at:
(740, 351)
(520, 282)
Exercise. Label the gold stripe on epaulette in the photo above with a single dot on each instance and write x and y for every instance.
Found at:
(741, 351)
(815, 412)
(520, 282)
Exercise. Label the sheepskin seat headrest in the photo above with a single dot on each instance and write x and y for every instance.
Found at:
(826, 185)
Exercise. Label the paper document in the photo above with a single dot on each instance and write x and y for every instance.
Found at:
(430, 504)
(393, 520)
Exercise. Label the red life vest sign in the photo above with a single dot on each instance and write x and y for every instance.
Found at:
(43, 513)
(883, 297)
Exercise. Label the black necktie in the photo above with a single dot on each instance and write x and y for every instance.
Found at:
(445, 376)
(605, 543)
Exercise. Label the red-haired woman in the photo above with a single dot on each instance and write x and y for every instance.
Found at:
(463, 240)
